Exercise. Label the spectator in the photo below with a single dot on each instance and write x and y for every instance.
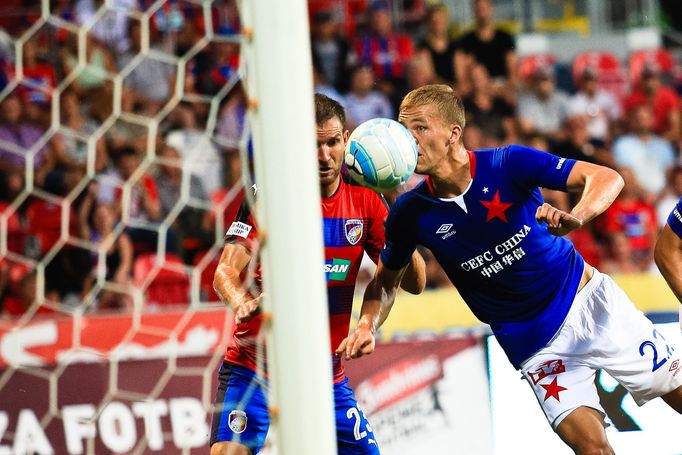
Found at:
(22, 137)
(632, 215)
(321, 86)
(169, 181)
(363, 102)
(76, 128)
(199, 155)
(647, 154)
(488, 45)
(151, 82)
(663, 101)
(229, 131)
(578, 145)
(192, 238)
(331, 52)
(39, 77)
(349, 14)
(96, 225)
(438, 44)
(669, 196)
(99, 64)
(619, 255)
(224, 64)
(491, 113)
(112, 27)
(543, 108)
(420, 71)
(384, 50)
(143, 206)
(599, 107)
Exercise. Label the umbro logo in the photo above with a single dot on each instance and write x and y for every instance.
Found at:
(444, 228)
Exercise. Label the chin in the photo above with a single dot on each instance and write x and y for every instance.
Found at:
(328, 179)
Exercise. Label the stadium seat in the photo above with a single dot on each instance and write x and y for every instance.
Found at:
(530, 63)
(16, 233)
(661, 59)
(610, 74)
(169, 286)
(44, 224)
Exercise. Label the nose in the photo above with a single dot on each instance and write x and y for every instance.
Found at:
(323, 153)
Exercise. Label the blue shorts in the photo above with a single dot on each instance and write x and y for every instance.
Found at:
(241, 413)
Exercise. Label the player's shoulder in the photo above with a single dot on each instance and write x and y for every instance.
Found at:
(502, 153)
(358, 192)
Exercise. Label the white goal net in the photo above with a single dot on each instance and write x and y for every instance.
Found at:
(125, 152)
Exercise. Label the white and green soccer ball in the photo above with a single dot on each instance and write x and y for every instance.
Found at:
(381, 154)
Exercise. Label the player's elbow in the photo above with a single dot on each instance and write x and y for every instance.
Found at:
(218, 279)
(614, 177)
(410, 289)
(414, 286)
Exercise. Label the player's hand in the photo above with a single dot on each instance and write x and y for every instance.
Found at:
(559, 222)
(359, 343)
(246, 310)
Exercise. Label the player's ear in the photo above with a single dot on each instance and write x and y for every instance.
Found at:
(346, 134)
(455, 133)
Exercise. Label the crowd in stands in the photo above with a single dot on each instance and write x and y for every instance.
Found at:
(95, 196)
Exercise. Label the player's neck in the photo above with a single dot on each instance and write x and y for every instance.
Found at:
(327, 191)
(452, 177)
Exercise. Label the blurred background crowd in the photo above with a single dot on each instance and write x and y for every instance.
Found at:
(99, 172)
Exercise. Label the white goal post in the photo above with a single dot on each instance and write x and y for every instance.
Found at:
(280, 90)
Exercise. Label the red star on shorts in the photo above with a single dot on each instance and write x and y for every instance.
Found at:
(552, 390)
(496, 208)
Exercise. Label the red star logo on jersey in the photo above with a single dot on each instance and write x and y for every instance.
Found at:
(552, 390)
(496, 208)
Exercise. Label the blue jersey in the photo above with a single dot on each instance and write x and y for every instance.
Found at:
(675, 219)
(511, 272)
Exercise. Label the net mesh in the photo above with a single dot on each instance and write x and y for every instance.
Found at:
(124, 141)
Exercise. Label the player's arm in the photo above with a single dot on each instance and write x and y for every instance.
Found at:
(414, 279)
(228, 284)
(599, 186)
(376, 305)
(668, 257)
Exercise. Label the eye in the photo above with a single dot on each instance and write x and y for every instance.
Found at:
(421, 128)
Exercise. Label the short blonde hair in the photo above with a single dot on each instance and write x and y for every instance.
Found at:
(448, 103)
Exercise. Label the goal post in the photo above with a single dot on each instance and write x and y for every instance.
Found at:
(280, 90)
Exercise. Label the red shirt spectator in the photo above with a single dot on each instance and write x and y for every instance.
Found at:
(663, 100)
(632, 215)
(636, 218)
(345, 12)
(387, 52)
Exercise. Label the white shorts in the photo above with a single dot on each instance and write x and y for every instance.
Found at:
(603, 330)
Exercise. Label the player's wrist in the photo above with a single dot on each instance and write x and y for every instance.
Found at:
(367, 324)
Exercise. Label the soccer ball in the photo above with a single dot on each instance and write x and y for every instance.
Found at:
(381, 154)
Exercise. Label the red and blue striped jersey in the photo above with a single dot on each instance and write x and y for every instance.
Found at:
(386, 55)
(353, 223)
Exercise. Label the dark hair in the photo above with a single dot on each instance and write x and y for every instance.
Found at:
(327, 108)
(123, 152)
